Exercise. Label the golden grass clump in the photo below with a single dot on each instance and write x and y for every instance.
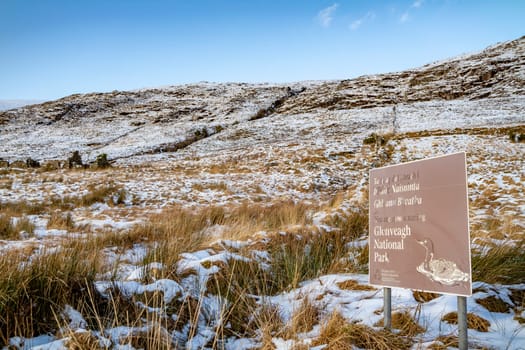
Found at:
(243, 221)
(339, 334)
(236, 282)
(42, 286)
(352, 224)
(269, 319)
(473, 321)
(82, 340)
(11, 228)
(354, 285)
(299, 257)
(405, 323)
(110, 193)
(304, 318)
(179, 230)
(60, 221)
(153, 337)
(494, 304)
(518, 297)
(444, 342)
(96, 194)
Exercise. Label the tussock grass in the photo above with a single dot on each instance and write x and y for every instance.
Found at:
(10, 228)
(61, 221)
(299, 257)
(352, 224)
(36, 289)
(269, 321)
(96, 194)
(44, 284)
(170, 233)
(237, 282)
(503, 264)
(304, 318)
(245, 220)
(142, 313)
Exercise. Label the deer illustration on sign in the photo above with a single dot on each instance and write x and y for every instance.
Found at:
(442, 271)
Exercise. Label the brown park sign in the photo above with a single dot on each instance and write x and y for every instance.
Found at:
(418, 226)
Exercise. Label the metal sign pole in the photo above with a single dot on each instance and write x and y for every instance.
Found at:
(387, 301)
(462, 323)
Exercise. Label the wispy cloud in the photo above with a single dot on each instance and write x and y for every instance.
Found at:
(358, 22)
(326, 15)
(406, 15)
(417, 4)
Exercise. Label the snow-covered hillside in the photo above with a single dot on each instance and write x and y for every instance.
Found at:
(485, 89)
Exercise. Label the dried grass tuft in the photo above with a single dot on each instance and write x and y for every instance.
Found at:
(60, 221)
(444, 342)
(424, 297)
(83, 340)
(354, 285)
(405, 323)
(338, 334)
(303, 319)
(494, 304)
(473, 321)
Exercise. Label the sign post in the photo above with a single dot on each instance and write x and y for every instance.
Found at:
(387, 306)
(418, 228)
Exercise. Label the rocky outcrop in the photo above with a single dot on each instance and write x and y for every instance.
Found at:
(498, 71)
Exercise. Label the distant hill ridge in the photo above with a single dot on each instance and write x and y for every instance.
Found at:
(132, 123)
(11, 104)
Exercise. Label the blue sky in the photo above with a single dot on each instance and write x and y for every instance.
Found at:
(54, 48)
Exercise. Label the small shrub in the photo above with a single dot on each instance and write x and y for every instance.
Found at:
(200, 133)
(376, 139)
(516, 137)
(31, 163)
(102, 161)
(75, 160)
